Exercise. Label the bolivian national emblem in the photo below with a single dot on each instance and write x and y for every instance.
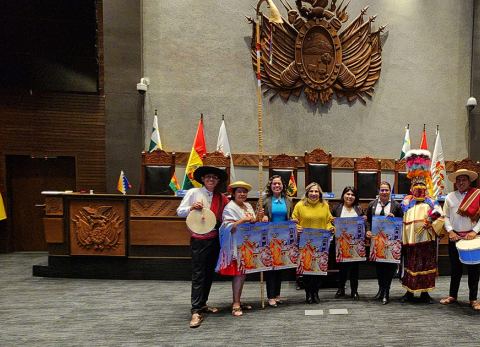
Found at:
(97, 228)
(310, 52)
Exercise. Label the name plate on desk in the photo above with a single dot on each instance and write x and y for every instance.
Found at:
(398, 196)
(328, 195)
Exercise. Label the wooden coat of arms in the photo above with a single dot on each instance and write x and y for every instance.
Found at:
(310, 52)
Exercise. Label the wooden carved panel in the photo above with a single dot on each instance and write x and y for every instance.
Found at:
(97, 228)
(216, 159)
(366, 163)
(318, 155)
(467, 164)
(312, 53)
(153, 207)
(53, 206)
(282, 161)
(400, 165)
(158, 157)
(160, 232)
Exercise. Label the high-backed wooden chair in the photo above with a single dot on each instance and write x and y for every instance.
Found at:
(402, 183)
(469, 165)
(158, 168)
(219, 160)
(283, 165)
(318, 168)
(367, 176)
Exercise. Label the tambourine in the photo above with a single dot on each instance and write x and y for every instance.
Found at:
(201, 221)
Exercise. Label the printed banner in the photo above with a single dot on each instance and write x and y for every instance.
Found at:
(386, 243)
(350, 239)
(313, 251)
(266, 246)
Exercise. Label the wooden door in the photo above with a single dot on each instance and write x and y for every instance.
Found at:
(27, 177)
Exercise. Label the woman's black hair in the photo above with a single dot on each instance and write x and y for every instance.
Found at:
(354, 191)
(268, 187)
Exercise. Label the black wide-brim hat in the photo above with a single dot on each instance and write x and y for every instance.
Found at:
(205, 170)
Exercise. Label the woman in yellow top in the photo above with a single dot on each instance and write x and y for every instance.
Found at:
(312, 212)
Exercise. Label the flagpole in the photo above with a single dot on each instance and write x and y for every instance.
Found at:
(260, 129)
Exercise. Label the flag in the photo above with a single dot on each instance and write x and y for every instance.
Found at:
(424, 143)
(174, 184)
(199, 148)
(3, 214)
(155, 142)
(123, 183)
(223, 145)
(437, 169)
(406, 143)
(292, 186)
(275, 15)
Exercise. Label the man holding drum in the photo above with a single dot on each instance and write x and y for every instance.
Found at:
(203, 208)
(462, 209)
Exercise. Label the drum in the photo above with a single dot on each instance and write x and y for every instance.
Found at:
(201, 221)
(469, 251)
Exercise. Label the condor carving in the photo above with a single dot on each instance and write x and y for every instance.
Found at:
(310, 52)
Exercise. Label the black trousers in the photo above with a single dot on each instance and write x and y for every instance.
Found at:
(204, 259)
(456, 275)
(312, 283)
(348, 270)
(274, 283)
(385, 273)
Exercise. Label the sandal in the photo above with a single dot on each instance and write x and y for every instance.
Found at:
(475, 304)
(209, 309)
(272, 303)
(246, 307)
(237, 311)
(448, 300)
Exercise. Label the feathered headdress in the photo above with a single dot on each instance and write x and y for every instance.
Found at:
(418, 163)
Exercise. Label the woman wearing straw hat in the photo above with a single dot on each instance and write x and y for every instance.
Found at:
(236, 212)
(462, 212)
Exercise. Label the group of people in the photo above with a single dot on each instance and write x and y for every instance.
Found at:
(424, 221)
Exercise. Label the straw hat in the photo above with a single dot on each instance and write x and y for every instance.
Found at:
(205, 170)
(240, 184)
(463, 172)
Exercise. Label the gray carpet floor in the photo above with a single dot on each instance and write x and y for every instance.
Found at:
(38, 311)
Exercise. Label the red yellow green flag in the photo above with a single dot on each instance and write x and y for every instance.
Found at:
(195, 160)
(424, 143)
(292, 186)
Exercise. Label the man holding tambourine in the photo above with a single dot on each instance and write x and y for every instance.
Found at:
(203, 208)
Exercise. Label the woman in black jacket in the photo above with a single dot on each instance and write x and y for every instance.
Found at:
(384, 205)
(348, 207)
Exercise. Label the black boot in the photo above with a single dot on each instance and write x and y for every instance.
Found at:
(300, 283)
(426, 298)
(386, 296)
(308, 297)
(379, 294)
(407, 297)
(355, 296)
(315, 298)
(340, 293)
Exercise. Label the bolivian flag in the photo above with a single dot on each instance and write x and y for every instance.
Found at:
(195, 160)
(292, 186)
(3, 214)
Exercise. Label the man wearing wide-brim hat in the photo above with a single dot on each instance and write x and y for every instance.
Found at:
(204, 247)
(462, 212)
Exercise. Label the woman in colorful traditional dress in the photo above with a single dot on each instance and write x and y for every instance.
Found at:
(236, 212)
(348, 207)
(312, 212)
(277, 207)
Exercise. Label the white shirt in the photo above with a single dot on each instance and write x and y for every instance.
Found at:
(386, 209)
(194, 195)
(454, 221)
(347, 213)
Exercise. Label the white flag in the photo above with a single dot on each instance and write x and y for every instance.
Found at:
(437, 169)
(224, 146)
(406, 143)
(155, 142)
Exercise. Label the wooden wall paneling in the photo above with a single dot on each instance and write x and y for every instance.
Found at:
(54, 230)
(172, 232)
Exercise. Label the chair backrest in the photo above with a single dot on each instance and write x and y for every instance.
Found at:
(469, 165)
(283, 165)
(158, 168)
(402, 182)
(318, 168)
(219, 160)
(367, 176)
